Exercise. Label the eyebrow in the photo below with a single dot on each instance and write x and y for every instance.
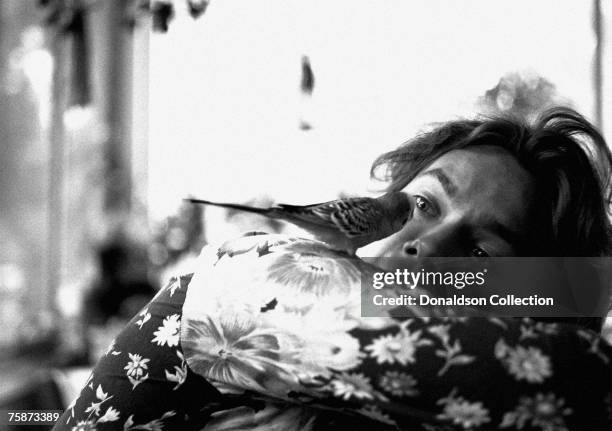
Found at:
(449, 187)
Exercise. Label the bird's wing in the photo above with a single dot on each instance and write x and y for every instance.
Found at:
(353, 216)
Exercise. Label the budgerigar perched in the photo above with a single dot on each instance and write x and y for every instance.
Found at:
(344, 224)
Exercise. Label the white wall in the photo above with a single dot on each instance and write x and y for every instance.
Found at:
(224, 90)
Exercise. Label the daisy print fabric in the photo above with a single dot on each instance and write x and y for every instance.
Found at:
(267, 335)
(277, 319)
(142, 381)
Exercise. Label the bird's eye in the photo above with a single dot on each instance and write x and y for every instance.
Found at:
(479, 252)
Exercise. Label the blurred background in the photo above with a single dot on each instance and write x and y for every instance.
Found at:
(113, 111)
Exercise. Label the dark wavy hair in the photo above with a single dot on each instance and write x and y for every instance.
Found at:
(566, 155)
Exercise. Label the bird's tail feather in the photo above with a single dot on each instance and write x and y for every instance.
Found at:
(246, 208)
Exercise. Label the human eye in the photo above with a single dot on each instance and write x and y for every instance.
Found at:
(479, 252)
(425, 206)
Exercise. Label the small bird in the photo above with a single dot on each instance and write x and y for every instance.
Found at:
(344, 224)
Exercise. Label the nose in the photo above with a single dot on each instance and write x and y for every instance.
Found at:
(423, 248)
(441, 241)
(412, 248)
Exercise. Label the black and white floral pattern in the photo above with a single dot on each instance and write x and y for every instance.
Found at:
(269, 336)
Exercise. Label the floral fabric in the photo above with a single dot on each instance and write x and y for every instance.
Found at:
(142, 382)
(268, 336)
(280, 317)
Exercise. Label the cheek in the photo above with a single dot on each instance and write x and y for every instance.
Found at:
(391, 246)
(378, 248)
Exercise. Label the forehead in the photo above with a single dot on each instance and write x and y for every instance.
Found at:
(485, 181)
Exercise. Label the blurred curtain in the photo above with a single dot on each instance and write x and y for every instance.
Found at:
(26, 67)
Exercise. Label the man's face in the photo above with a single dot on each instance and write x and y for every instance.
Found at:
(473, 201)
